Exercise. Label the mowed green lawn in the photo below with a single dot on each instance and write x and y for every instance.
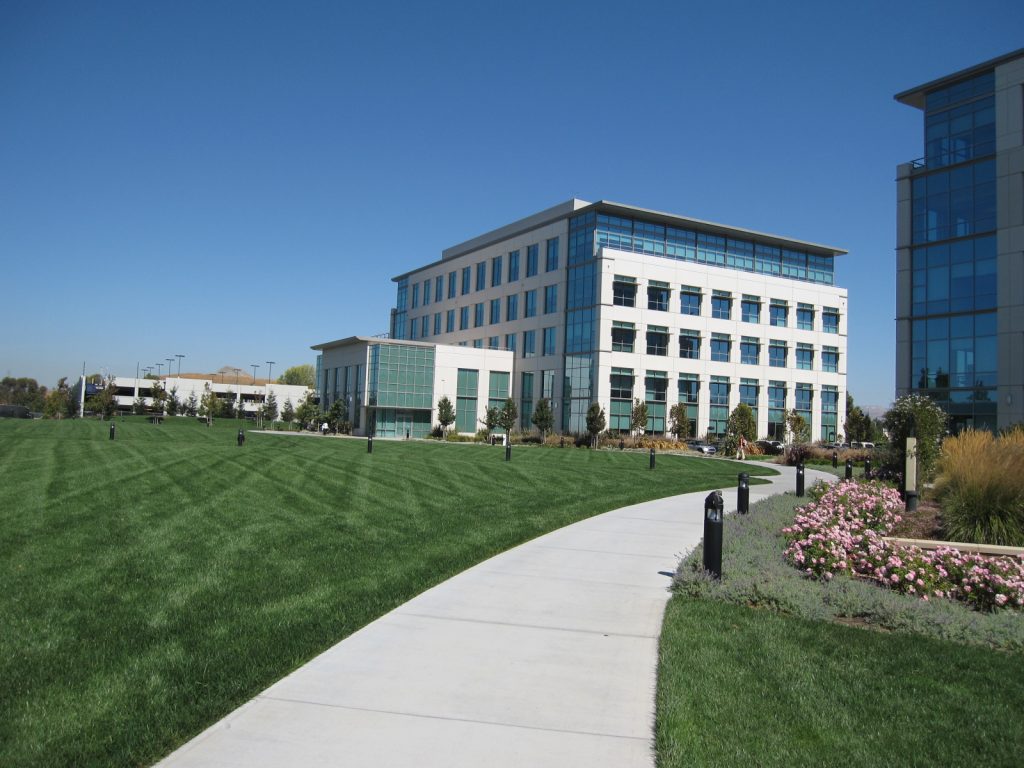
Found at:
(153, 583)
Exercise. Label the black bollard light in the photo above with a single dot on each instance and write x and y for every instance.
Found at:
(743, 494)
(867, 469)
(111, 431)
(241, 438)
(849, 469)
(622, 445)
(800, 479)
(369, 443)
(714, 507)
(911, 501)
(407, 434)
(508, 451)
(561, 443)
(652, 457)
(835, 459)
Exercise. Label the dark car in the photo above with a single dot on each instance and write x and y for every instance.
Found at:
(770, 447)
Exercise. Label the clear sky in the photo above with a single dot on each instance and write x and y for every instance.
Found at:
(235, 181)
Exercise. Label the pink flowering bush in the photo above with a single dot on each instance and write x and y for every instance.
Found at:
(841, 531)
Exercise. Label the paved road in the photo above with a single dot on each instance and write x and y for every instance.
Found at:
(545, 655)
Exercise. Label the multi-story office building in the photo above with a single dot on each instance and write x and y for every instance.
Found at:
(960, 247)
(602, 302)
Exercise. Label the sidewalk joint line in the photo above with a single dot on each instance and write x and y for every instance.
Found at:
(400, 612)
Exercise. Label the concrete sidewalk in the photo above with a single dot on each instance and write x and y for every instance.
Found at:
(545, 655)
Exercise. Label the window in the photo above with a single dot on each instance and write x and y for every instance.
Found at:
(830, 320)
(513, 266)
(478, 314)
(437, 323)
(450, 321)
(620, 413)
(750, 351)
(777, 312)
(657, 340)
(777, 353)
(463, 318)
(426, 292)
(805, 317)
(549, 341)
(438, 288)
(530, 300)
(526, 401)
(624, 291)
(465, 400)
(721, 345)
(451, 285)
(495, 311)
(481, 275)
(512, 307)
(719, 412)
(689, 393)
(531, 259)
(656, 396)
(748, 394)
(829, 411)
(415, 295)
(721, 305)
(467, 276)
(529, 343)
(689, 344)
(478, 343)
(550, 299)
(750, 309)
(830, 359)
(413, 325)
(494, 342)
(510, 342)
(804, 398)
(623, 336)
(657, 296)
(689, 300)
(776, 410)
(495, 271)
(804, 357)
(551, 260)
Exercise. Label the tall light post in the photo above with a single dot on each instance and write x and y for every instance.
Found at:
(254, 366)
(159, 369)
(270, 370)
(169, 368)
(179, 365)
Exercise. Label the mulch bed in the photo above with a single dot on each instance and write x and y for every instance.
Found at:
(925, 523)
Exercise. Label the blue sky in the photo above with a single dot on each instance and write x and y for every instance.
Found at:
(237, 181)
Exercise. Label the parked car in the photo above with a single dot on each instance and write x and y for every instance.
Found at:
(702, 447)
(770, 447)
(867, 445)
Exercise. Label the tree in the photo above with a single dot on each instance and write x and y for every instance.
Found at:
(270, 407)
(928, 421)
(23, 391)
(741, 423)
(638, 417)
(508, 415)
(595, 421)
(858, 425)
(797, 426)
(543, 419)
(299, 375)
(445, 413)
(139, 406)
(337, 416)
(288, 412)
(191, 405)
(490, 420)
(209, 405)
(173, 403)
(307, 411)
(679, 422)
(159, 395)
(58, 403)
(226, 406)
(104, 402)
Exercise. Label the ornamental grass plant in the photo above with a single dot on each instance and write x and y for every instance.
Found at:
(981, 487)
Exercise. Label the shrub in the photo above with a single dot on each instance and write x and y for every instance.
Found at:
(929, 424)
(981, 487)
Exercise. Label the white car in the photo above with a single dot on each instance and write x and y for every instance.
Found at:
(702, 447)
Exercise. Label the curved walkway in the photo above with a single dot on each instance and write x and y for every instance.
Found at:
(545, 655)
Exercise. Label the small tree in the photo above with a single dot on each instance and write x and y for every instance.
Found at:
(209, 405)
(445, 413)
(288, 412)
(638, 417)
(227, 406)
(270, 407)
(543, 419)
(307, 410)
(173, 403)
(595, 421)
(741, 424)
(928, 422)
(159, 395)
(337, 415)
(191, 404)
(797, 426)
(58, 401)
(679, 422)
(139, 406)
(490, 420)
(508, 415)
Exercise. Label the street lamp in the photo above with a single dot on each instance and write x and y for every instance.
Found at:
(179, 364)
(159, 369)
(270, 370)
(169, 361)
(254, 366)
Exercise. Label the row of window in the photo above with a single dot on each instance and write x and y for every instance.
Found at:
(691, 300)
(721, 348)
(436, 287)
(484, 313)
(529, 345)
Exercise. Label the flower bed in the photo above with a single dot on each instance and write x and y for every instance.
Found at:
(841, 532)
